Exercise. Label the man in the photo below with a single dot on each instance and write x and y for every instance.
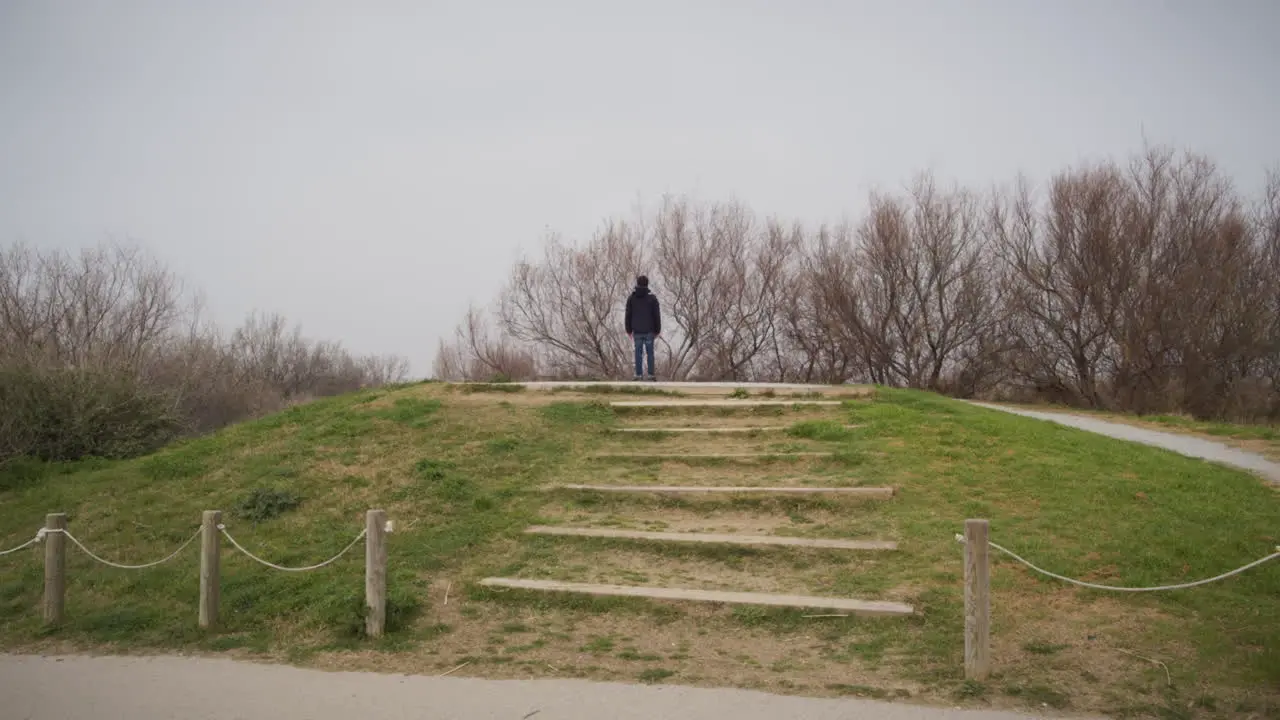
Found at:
(644, 324)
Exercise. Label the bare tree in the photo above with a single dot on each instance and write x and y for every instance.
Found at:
(832, 327)
(107, 305)
(746, 287)
(1145, 288)
(567, 306)
(103, 352)
(476, 355)
(912, 288)
(687, 252)
(1267, 231)
(1070, 271)
(1192, 327)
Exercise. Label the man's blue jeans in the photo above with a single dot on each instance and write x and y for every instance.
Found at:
(644, 348)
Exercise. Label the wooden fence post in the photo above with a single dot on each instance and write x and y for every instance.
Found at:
(210, 567)
(55, 567)
(977, 601)
(375, 572)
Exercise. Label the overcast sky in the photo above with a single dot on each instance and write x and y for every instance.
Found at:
(370, 168)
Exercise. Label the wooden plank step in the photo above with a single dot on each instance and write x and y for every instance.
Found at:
(874, 492)
(718, 403)
(865, 608)
(685, 385)
(713, 538)
(748, 429)
(706, 456)
(764, 428)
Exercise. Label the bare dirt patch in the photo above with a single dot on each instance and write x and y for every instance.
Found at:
(1081, 648)
(690, 645)
(825, 518)
(667, 520)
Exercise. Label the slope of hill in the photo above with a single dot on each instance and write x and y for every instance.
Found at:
(465, 470)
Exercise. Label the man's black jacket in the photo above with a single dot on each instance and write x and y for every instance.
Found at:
(643, 314)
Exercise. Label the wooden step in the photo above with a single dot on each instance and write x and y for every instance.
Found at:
(873, 492)
(718, 403)
(865, 608)
(748, 429)
(765, 428)
(705, 456)
(713, 538)
(685, 385)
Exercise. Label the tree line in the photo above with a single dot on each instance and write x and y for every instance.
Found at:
(103, 353)
(1146, 285)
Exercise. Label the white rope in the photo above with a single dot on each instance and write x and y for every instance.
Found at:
(39, 536)
(91, 554)
(240, 547)
(1180, 586)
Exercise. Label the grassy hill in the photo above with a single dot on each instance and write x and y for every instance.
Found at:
(462, 471)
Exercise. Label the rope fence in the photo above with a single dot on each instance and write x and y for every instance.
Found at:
(977, 575)
(39, 536)
(121, 566)
(977, 591)
(55, 533)
(1113, 588)
(317, 566)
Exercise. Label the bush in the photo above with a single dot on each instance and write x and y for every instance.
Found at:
(265, 503)
(67, 414)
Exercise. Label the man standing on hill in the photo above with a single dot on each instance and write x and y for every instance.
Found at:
(644, 324)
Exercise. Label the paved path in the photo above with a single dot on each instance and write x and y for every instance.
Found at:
(121, 688)
(1182, 444)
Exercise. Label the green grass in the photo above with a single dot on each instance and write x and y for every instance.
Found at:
(1268, 436)
(1263, 436)
(1044, 648)
(599, 645)
(827, 430)
(655, 675)
(416, 412)
(137, 511)
(460, 474)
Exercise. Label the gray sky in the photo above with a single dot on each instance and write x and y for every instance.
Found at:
(369, 168)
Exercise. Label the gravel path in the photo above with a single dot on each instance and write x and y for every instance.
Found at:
(184, 688)
(1182, 444)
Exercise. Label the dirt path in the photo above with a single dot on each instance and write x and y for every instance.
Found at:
(131, 688)
(1182, 444)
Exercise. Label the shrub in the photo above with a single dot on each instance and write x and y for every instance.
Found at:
(67, 414)
(266, 503)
